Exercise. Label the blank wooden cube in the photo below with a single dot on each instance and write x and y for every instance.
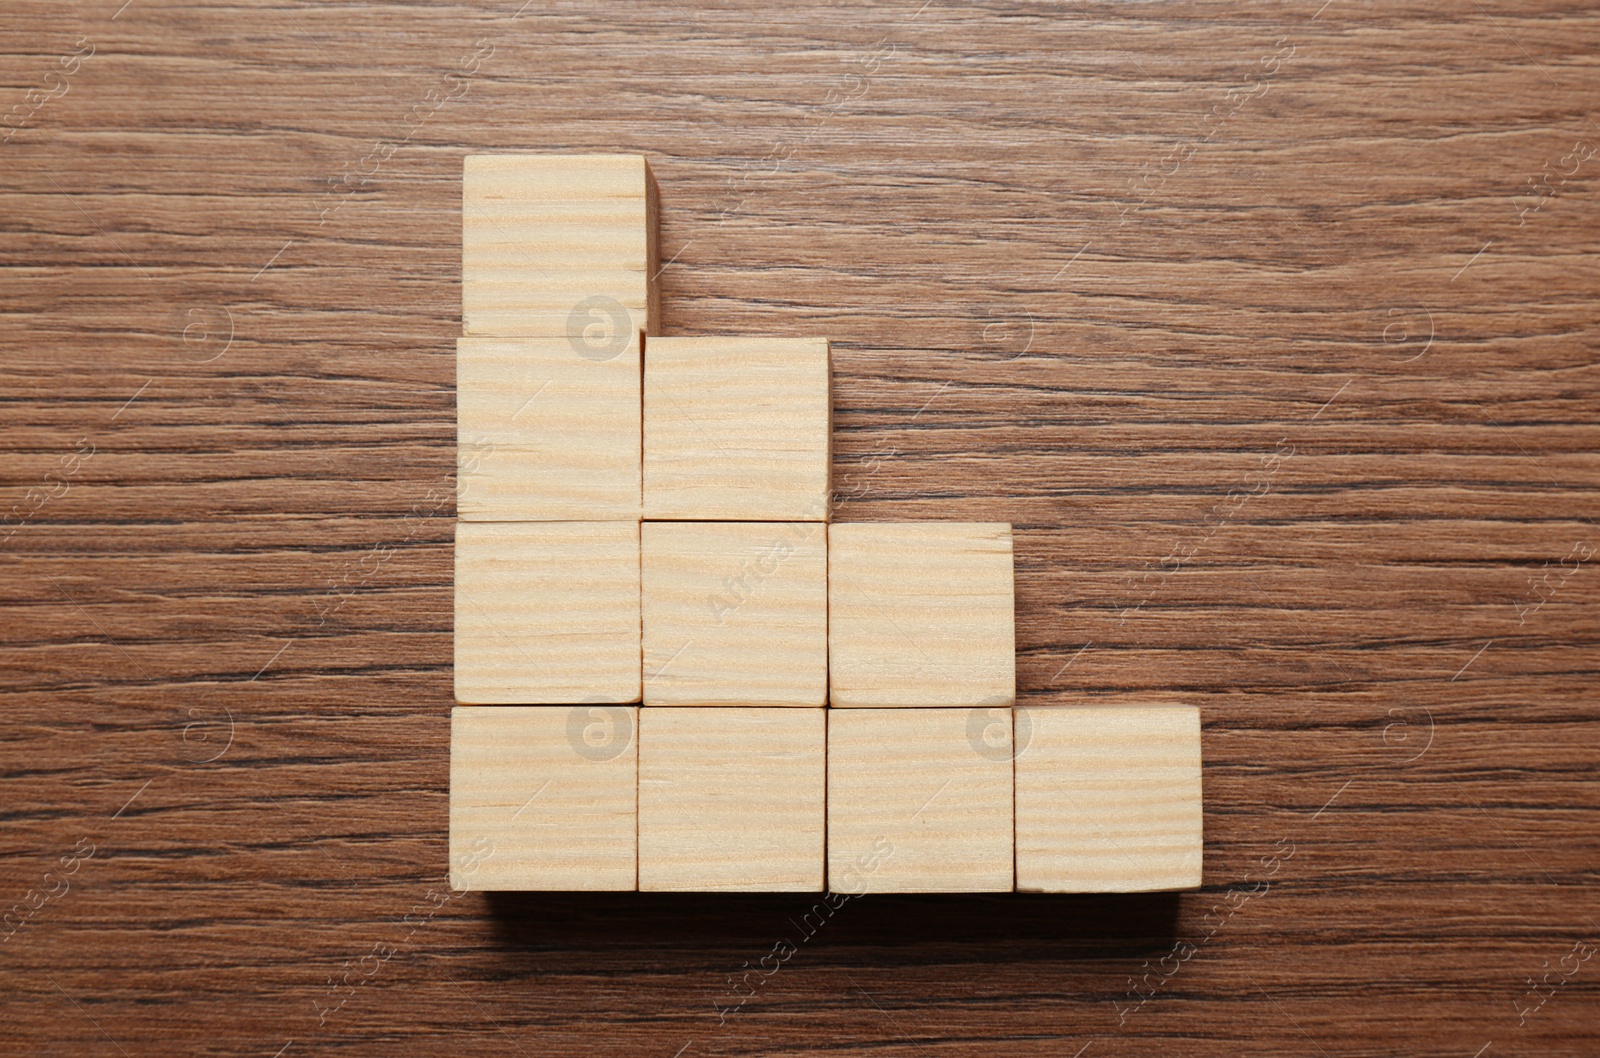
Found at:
(543, 797)
(920, 614)
(544, 433)
(547, 612)
(1108, 799)
(735, 612)
(737, 429)
(559, 245)
(919, 800)
(731, 799)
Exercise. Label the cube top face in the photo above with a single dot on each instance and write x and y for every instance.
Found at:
(547, 612)
(731, 799)
(543, 797)
(735, 613)
(921, 614)
(737, 429)
(558, 245)
(510, 174)
(919, 800)
(545, 431)
(1108, 799)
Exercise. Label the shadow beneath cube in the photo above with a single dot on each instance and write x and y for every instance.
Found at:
(750, 925)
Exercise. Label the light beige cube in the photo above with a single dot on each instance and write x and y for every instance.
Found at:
(737, 429)
(547, 612)
(731, 799)
(921, 614)
(1108, 799)
(543, 797)
(561, 246)
(545, 434)
(919, 800)
(735, 613)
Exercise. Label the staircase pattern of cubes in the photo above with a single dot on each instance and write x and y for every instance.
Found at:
(673, 673)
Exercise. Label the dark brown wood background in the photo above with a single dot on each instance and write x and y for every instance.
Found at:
(1272, 327)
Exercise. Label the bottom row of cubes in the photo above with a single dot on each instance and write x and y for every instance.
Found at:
(606, 797)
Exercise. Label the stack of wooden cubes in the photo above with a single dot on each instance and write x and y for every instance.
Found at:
(674, 674)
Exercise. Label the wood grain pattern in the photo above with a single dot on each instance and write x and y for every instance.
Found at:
(731, 799)
(737, 428)
(546, 612)
(735, 613)
(543, 433)
(919, 801)
(559, 244)
(543, 797)
(1108, 798)
(1282, 371)
(921, 614)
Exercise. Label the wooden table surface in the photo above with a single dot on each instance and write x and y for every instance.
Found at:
(1272, 327)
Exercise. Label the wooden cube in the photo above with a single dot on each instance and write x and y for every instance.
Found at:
(1108, 799)
(731, 799)
(920, 614)
(543, 797)
(735, 613)
(545, 434)
(547, 612)
(561, 246)
(919, 800)
(737, 429)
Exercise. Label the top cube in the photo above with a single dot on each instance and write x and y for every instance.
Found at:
(737, 429)
(559, 245)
